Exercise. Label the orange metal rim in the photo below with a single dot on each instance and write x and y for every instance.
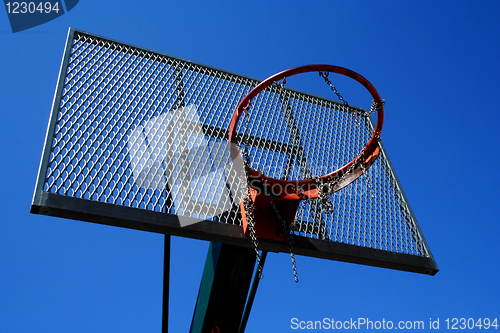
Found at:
(369, 153)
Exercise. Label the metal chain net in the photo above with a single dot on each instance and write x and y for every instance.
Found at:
(146, 130)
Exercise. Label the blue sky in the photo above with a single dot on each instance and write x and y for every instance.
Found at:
(434, 62)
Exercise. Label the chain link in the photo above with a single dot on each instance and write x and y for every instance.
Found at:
(324, 75)
(376, 106)
(367, 178)
(301, 162)
(248, 203)
(294, 132)
(353, 111)
(288, 236)
(249, 209)
(324, 191)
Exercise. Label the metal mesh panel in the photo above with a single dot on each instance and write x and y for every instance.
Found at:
(145, 130)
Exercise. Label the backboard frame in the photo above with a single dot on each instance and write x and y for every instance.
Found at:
(52, 204)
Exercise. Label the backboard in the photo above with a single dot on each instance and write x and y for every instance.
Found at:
(138, 139)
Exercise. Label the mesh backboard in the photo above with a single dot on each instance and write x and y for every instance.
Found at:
(138, 139)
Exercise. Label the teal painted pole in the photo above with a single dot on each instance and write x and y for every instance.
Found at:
(223, 289)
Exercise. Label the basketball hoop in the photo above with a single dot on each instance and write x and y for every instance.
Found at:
(269, 214)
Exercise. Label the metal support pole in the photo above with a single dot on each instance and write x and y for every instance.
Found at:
(166, 283)
(251, 295)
